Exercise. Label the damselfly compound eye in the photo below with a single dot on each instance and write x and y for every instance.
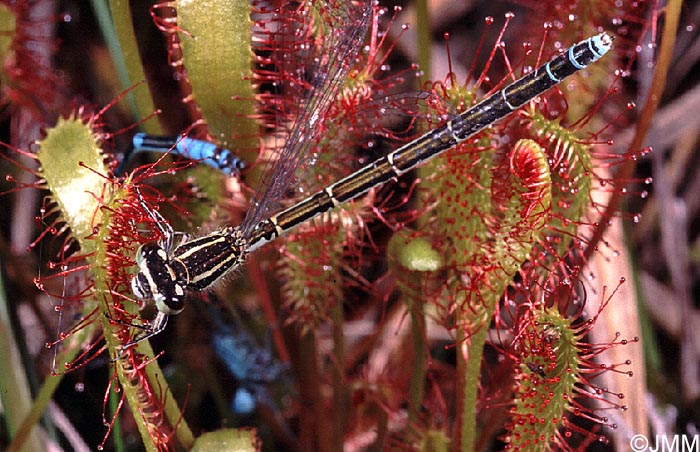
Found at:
(139, 256)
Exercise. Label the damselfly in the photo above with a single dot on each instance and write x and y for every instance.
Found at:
(253, 365)
(167, 273)
(202, 151)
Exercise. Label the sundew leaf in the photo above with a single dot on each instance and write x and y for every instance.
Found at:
(104, 225)
(520, 195)
(572, 177)
(72, 164)
(546, 382)
(526, 199)
(216, 52)
(227, 440)
(8, 22)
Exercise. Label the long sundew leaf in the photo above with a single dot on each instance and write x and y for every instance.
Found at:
(7, 29)
(546, 378)
(523, 194)
(72, 166)
(71, 163)
(572, 178)
(216, 52)
(227, 440)
(126, 56)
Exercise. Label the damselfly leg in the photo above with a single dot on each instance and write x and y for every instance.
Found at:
(152, 257)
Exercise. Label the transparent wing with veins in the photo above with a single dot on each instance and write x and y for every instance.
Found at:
(344, 25)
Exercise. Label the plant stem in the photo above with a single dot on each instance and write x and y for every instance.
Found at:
(417, 384)
(130, 62)
(70, 351)
(16, 395)
(340, 399)
(423, 39)
(172, 410)
(471, 351)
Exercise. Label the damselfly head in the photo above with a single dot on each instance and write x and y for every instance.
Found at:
(157, 280)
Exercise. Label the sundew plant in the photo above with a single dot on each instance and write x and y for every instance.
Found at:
(459, 307)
